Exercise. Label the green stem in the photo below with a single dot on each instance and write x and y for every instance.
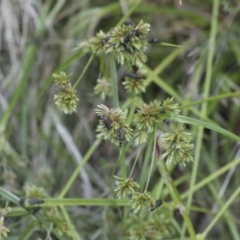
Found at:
(134, 164)
(211, 99)
(204, 106)
(27, 67)
(13, 198)
(212, 126)
(176, 197)
(146, 160)
(170, 45)
(132, 110)
(210, 53)
(84, 70)
(56, 9)
(80, 166)
(26, 70)
(74, 234)
(123, 166)
(24, 125)
(213, 176)
(131, 10)
(228, 214)
(9, 196)
(223, 209)
(114, 81)
(49, 232)
(71, 202)
(28, 231)
(152, 161)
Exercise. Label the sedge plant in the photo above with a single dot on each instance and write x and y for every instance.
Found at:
(126, 44)
(156, 170)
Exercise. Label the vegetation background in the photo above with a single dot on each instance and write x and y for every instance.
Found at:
(45, 151)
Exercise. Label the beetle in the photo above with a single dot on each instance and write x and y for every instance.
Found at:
(129, 22)
(34, 201)
(105, 40)
(133, 76)
(157, 204)
(121, 134)
(126, 48)
(106, 122)
(127, 37)
(154, 40)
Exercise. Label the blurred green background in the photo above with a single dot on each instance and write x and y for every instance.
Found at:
(41, 146)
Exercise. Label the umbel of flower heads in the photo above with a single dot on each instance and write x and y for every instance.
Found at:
(103, 88)
(177, 145)
(135, 82)
(66, 99)
(148, 118)
(125, 187)
(112, 120)
(151, 226)
(125, 42)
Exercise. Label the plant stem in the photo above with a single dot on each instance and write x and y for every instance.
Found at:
(28, 231)
(213, 176)
(176, 197)
(126, 16)
(206, 124)
(132, 110)
(9, 196)
(223, 209)
(114, 81)
(27, 67)
(123, 166)
(204, 106)
(80, 166)
(212, 99)
(74, 233)
(13, 198)
(134, 164)
(84, 71)
(152, 161)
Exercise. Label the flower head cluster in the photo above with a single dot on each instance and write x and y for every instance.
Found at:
(113, 125)
(125, 187)
(141, 201)
(35, 195)
(168, 106)
(177, 146)
(137, 229)
(35, 192)
(66, 100)
(135, 82)
(103, 88)
(3, 230)
(94, 44)
(61, 79)
(126, 42)
(151, 226)
(59, 223)
(147, 119)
